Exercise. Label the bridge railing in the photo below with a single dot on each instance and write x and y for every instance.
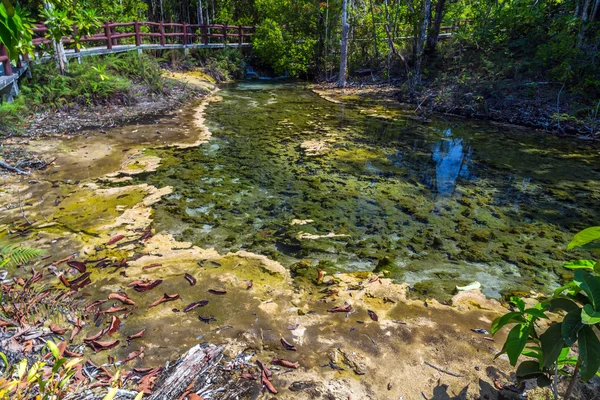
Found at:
(163, 33)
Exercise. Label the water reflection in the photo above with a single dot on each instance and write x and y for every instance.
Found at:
(452, 160)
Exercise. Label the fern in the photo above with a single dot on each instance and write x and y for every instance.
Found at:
(17, 255)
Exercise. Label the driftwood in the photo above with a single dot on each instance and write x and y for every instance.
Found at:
(12, 169)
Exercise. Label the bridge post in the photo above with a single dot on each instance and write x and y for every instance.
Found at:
(6, 62)
(107, 33)
(241, 38)
(225, 35)
(138, 37)
(185, 34)
(205, 33)
(161, 29)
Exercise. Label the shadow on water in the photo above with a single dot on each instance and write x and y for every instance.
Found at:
(446, 202)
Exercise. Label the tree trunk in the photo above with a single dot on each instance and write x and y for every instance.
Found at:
(421, 41)
(60, 57)
(374, 31)
(434, 32)
(200, 13)
(344, 46)
(584, 21)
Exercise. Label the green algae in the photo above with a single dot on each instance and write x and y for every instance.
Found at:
(481, 202)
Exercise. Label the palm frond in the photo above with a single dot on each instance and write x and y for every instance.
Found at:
(17, 255)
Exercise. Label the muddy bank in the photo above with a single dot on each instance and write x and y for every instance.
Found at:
(530, 106)
(353, 335)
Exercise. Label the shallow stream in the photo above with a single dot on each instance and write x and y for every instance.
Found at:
(361, 186)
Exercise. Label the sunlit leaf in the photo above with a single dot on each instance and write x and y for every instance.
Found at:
(584, 237)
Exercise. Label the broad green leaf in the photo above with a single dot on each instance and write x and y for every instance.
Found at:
(536, 313)
(590, 285)
(571, 325)
(552, 344)
(560, 303)
(53, 349)
(509, 318)
(543, 381)
(589, 352)
(533, 352)
(518, 302)
(584, 237)
(589, 316)
(571, 288)
(580, 264)
(516, 341)
(71, 363)
(528, 369)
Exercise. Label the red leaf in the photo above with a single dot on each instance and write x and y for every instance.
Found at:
(287, 345)
(78, 265)
(136, 335)
(373, 316)
(197, 304)
(114, 239)
(347, 308)
(115, 324)
(217, 291)
(265, 381)
(57, 329)
(285, 363)
(122, 297)
(144, 286)
(99, 346)
(164, 299)
(115, 309)
(76, 329)
(96, 336)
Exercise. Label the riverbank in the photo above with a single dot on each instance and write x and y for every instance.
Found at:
(353, 335)
(529, 105)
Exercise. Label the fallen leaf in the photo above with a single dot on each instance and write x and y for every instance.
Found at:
(97, 336)
(164, 299)
(115, 309)
(373, 316)
(115, 324)
(217, 291)
(134, 354)
(57, 329)
(346, 308)
(197, 304)
(136, 335)
(122, 297)
(143, 286)
(287, 345)
(285, 363)
(94, 304)
(190, 279)
(78, 265)
(99, 346)
(265, 381)
(206, 319)
(76, 329)
(114, 239)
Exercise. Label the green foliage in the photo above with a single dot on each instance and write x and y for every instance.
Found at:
(17, 255)
(24, 381)
(580, 299)
(11, 114)
(222, 65)
(15, 30)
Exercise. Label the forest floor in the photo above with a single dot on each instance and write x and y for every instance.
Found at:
(533, 105)
(354, 336)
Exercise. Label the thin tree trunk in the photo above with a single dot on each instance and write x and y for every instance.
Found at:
(60, 57)
(344, 46)
(200, 14)
(374, 30)
(584, 20)
(421, 41)
(594, 14)
(434, 32)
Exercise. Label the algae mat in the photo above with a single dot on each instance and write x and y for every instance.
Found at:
(435, 204)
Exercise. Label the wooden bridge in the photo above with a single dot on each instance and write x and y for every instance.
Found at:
(121, 37)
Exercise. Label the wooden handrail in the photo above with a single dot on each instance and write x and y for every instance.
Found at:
(189, 33)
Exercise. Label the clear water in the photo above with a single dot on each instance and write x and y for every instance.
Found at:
(435, 204)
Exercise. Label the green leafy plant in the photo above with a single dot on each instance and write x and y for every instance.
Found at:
(40, 380)
(16, 30)
(15, 255)
(550, 350)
